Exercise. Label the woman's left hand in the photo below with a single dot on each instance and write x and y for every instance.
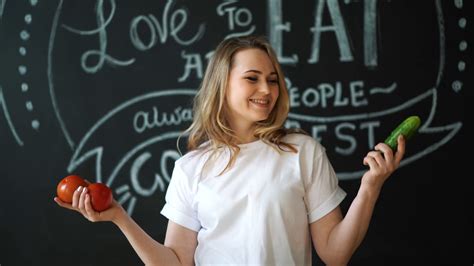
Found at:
(382, 162)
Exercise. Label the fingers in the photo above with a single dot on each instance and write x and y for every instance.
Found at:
(81, 202)
(400, 148)
(382, 162)
(82, 198)
(371, 162)
(75, 197)
(88, 208)
(377, 156)
(63, 204)
(385, 150)
(383, 159)
(85, 206)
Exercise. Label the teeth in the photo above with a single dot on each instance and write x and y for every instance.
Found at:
(260, 101)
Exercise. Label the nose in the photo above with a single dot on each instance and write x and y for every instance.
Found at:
(264, 88)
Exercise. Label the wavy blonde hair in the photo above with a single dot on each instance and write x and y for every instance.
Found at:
(210, 126)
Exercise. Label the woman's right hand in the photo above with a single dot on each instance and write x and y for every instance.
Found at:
(81, 202)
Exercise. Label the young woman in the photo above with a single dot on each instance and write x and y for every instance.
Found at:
(249, 191)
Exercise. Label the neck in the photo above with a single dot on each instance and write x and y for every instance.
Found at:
(245, 139)
(244, 134)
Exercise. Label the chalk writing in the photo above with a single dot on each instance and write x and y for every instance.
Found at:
(353, 131)
(370, 29)
(343, 128)
(102, 55)
(328, 95)
(193, 62)
(143, 120)
(337, 27)
(343, 88)
(277, 26)
(236, 17)
(386, 90)
(83, 153)
(176, 23)
(105, 88)
(275, 32)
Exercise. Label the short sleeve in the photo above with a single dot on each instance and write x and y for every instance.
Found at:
(179, 197)
(322, 192)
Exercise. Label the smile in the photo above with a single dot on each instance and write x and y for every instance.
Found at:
(260, 101)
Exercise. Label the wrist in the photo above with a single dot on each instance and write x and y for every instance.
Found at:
(370, 190)
(120, 217)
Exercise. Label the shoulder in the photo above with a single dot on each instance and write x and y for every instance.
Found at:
(192, 163)
(299, 138)
(304, 143)
(191, 158)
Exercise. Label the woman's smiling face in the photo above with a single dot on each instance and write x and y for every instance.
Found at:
(252, 89)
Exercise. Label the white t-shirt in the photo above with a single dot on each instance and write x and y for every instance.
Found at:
(259, 211)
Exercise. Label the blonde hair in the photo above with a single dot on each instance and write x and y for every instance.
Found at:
(210, 126)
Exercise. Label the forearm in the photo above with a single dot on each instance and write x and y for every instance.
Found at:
(150, 251)
(346, 237)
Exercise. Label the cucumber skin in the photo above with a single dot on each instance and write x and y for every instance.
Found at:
(407, 128)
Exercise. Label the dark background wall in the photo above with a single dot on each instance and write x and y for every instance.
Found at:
(103, 88)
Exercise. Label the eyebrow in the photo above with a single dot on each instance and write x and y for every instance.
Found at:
(259, 72)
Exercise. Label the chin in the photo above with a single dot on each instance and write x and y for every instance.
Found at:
(257, 116)
(260, 118)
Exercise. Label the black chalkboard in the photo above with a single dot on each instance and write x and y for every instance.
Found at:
(103, 88)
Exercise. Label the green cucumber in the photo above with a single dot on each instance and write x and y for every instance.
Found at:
(407, 128)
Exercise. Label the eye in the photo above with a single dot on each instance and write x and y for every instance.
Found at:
(273, 81)
(252, 79)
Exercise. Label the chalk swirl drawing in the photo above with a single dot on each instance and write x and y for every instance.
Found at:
(152, 116)
(90, 151)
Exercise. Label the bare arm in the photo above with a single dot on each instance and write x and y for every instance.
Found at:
(151, 252)
(336, 238)
(180, 242)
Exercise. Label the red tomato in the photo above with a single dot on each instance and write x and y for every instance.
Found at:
(101, 196)
(68, 185)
